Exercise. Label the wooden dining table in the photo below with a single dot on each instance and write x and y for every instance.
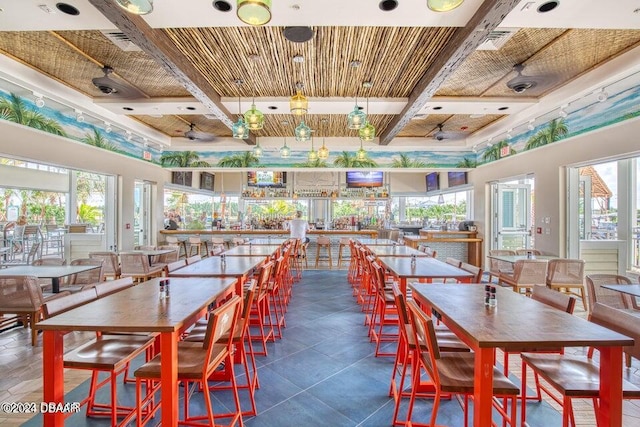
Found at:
(378, 242)
(397, 251)
(53, 272)
(267, 241)
(513, 258)
(518, 322)
(258, 250)
(237, 267)
(633, 290)
(425, 268)
(135, 309)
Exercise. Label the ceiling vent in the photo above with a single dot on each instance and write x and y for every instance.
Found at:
(121, 40)
(497, 38)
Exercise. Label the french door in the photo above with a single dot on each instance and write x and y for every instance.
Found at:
(511, 216)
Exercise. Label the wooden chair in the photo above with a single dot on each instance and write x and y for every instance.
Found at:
(218, 242)
(22, 296)
(104, 289)
(596, 293)
(384, 319)
(344, 242)
(168, 257)
(198, 246)
(88, 277)
(452, 372)
(260, 310)
(496, 267)
(453, 261)
(173, 266)
(136, 265)
(180, 244)
(430, 252)
(323, 243)
(526, 274)
(578, 376)
(193, 259)
(110, 265)
(476, 271)
(196, 363)
(45, 284)
(237, 241)
(566, 274)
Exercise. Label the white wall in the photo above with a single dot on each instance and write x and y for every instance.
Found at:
(19, 177)
(548, 164)
(25, 143)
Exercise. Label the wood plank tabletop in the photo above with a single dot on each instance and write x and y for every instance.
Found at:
(140, 309)
(212, 267)
(625, 289)
(45, 271)
(268, 241)
(253, 250)
(513, 258)
(425, 268)
(397, 251)
(377, 242)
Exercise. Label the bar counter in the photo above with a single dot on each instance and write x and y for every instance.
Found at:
(252, 233)
(463, 245)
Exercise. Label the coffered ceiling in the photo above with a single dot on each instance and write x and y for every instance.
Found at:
(424, 68)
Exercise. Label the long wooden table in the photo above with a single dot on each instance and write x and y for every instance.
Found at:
(136, 309)
(513, 258)
(395, 251)
(426, 268)
(633, 290)
(377, 242)
(519, 322)
(237, 267)
(246, 250)
(53, 272)
(268, 241)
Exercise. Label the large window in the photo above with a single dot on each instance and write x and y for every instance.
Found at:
(271, 214)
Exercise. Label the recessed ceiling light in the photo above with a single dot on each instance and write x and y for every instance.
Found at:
(437, 108)
(127, 108)
(272, 107)
(68, 9)
(298, 59)
(503, 108)
(548, 6)
(221, 5)
(355, 63)
(191, 108)
(388, 5)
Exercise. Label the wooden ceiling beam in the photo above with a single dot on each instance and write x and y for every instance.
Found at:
(462, 44)
(160, 47)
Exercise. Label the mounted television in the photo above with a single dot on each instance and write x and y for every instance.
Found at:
(362, 179)
(182, 178)
(206, 181)
(267, 179)
(457, 178)
(433, 181)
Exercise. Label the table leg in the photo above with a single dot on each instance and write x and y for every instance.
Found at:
(483, 387)
(55, 285)
(169, 377)
(403, 285)
(53, 375)
(610, 410)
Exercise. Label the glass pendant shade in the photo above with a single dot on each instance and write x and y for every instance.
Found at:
(303, 132)
(254, 118)
(298, 104)
(313, 155)
(240, 129)
(356, 119)
(443, 5)
(368, 132)
(323, 152)
(257, 150)
(361, 154)
(137, 7)
(285, 151)
(254, 12)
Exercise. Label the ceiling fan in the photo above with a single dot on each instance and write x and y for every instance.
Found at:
(522, 83)
(441, 135)
(109, 86)
(195, 135)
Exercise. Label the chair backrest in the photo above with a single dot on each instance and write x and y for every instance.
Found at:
(430, 252)
(596, 293)
(21, 293)
(50, 261)
(145, 248)
(112, 286)
(217, 240)
(173, 266)
(33, 252)
(424, 333)
(193, 259)
(496, 265)
(476, 271)
(90, 276)
(552, 298)
(110, 264)
(59, 305)
(527, 251)
(168, 257)
(237, 241)
(453, 261)
(565, 271)
(619, 321)
(264, 276)
(134, 263)
(530, 271)
(194, 240)
(171, 240)
(222, 321)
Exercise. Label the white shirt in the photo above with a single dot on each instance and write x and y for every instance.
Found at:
(298, 228)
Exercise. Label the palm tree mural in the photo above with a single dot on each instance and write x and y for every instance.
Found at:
(246, 159)
(405, 162)
(555, 131)
(14, 109)
(317, 163)
(97, 139)
(349, 160)
(467, 162)
(183, 159)
(493, 153)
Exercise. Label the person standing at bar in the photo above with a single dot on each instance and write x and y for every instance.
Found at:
(298, 228)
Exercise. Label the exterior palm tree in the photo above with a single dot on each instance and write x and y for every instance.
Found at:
(467, 163)
(556, 130)
(405, 162)
(14, 109)
(97, 139)
(183, 159)
(246, 159)
(349, 160)
(493, 153)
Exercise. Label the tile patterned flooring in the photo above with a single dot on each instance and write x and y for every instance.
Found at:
(322, 372)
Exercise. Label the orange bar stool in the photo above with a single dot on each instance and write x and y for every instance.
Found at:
(344, 241)
(323, 243)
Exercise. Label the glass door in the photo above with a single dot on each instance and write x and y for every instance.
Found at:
(511, 214)
(142, 213)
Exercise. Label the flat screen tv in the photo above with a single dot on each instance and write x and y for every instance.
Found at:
(182, 178)
(364, 179)
(433, 181)
(457, 178)
(206, 181)
(267, 179)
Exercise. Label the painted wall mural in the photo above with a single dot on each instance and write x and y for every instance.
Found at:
(585, 115)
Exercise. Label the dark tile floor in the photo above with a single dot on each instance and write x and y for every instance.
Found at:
(323, 372)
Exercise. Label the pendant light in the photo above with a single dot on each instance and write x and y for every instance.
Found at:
(285, 151)
(137, 7)
(303, 132)
(443, 5)
(254, 117)
(254, 12)
(323, 152)
(240, 129)
(313, 154)
(357, 118)
(298, 103)
(368, 132)
(361, 154)
(257, 150)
